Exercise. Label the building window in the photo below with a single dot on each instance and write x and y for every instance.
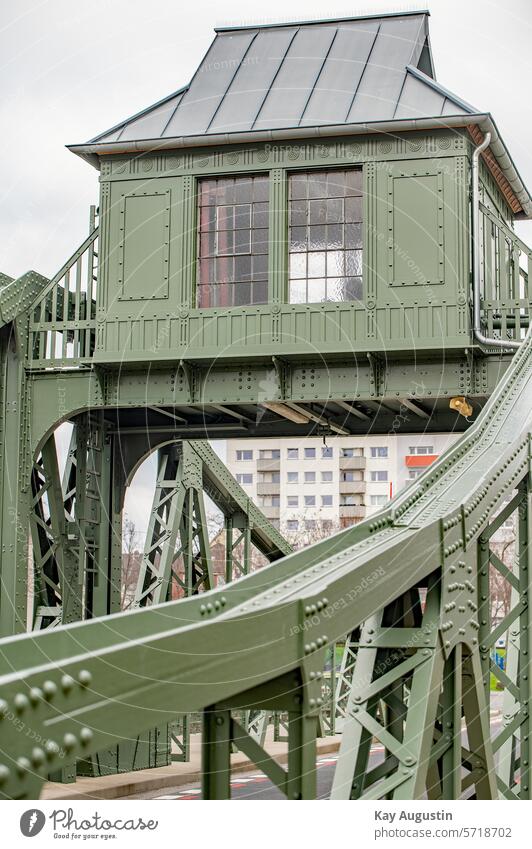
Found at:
(415, 473)
(310, 524)
(292, 453)
(244, 455)
(326, 452)
(292, 477)
(378, 500)
(292, 525)
(421, 449)
(326, 477)
(379, 452)
(245, 479)
(269, 501)
(310, 453)
(269, 477)
(327, 525)
(347, 500)
(310, 500)
(292, 501)
(233, 242)
(380, 476)
(326, 501)
(310, 477)
(325, 221)
(349, 475)
(269, 454)
(350, 452)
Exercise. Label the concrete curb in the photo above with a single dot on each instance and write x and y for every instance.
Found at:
(149, 781)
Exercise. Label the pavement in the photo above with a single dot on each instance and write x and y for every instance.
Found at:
(145, 783)
(182, 780)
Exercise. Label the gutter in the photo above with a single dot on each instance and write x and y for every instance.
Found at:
(475, 229)
(92, 151)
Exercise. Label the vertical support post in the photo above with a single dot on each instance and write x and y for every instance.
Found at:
(524, 555)
(216, 754)
(301, 779)
(451, 779)
(15, 469)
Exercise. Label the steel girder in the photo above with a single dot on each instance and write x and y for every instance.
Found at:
(177, 556)
(260, 643)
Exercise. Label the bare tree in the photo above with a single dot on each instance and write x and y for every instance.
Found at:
(131, 560)
(500, 588)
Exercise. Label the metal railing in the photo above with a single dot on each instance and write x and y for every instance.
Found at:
(62, 329)
(505, 266)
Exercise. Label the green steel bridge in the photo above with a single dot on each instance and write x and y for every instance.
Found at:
(285, 246)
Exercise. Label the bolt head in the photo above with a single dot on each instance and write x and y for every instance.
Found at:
(84, 677)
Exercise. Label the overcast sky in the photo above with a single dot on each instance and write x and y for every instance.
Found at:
(70, 70)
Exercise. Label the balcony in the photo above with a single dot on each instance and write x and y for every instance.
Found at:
(352, 487)
(352, 511)
(268, 488)
(268, 465)
(348, 463)
(271, 512)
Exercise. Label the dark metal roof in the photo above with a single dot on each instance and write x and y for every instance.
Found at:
(282, 81)
(301, 75)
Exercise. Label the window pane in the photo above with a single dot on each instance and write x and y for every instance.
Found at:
(298, 266)
(298, 292)
(233, 242)
(316, 265)
(325, 226)
(315, 291)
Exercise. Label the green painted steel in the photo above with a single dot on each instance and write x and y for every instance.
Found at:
(152, 663)
(116, 345)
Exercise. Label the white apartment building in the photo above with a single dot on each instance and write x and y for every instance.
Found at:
(314, 484)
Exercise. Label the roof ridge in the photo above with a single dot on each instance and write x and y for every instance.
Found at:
(311, 21)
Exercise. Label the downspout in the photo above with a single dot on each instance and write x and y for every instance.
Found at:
(475, 227)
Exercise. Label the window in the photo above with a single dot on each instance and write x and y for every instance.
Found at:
(269, 501)
(347, 500)
(292, 453)
(380, 451)
(310, 477)
(379, 476)
(310, 453)
(378, 500)
(415, 473)
(349, 475)
(310, 500)
(233, 242)
(269, 477)
(292, 525)
(244, 455)
(326, 452)
(269, 454)
(245, 479)
(292, 477)
(326, 477)
(325, 224)
(327, 525)
(326, 501)
(350, 452)
(421, 449)
(292, 501)
(310, 524)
